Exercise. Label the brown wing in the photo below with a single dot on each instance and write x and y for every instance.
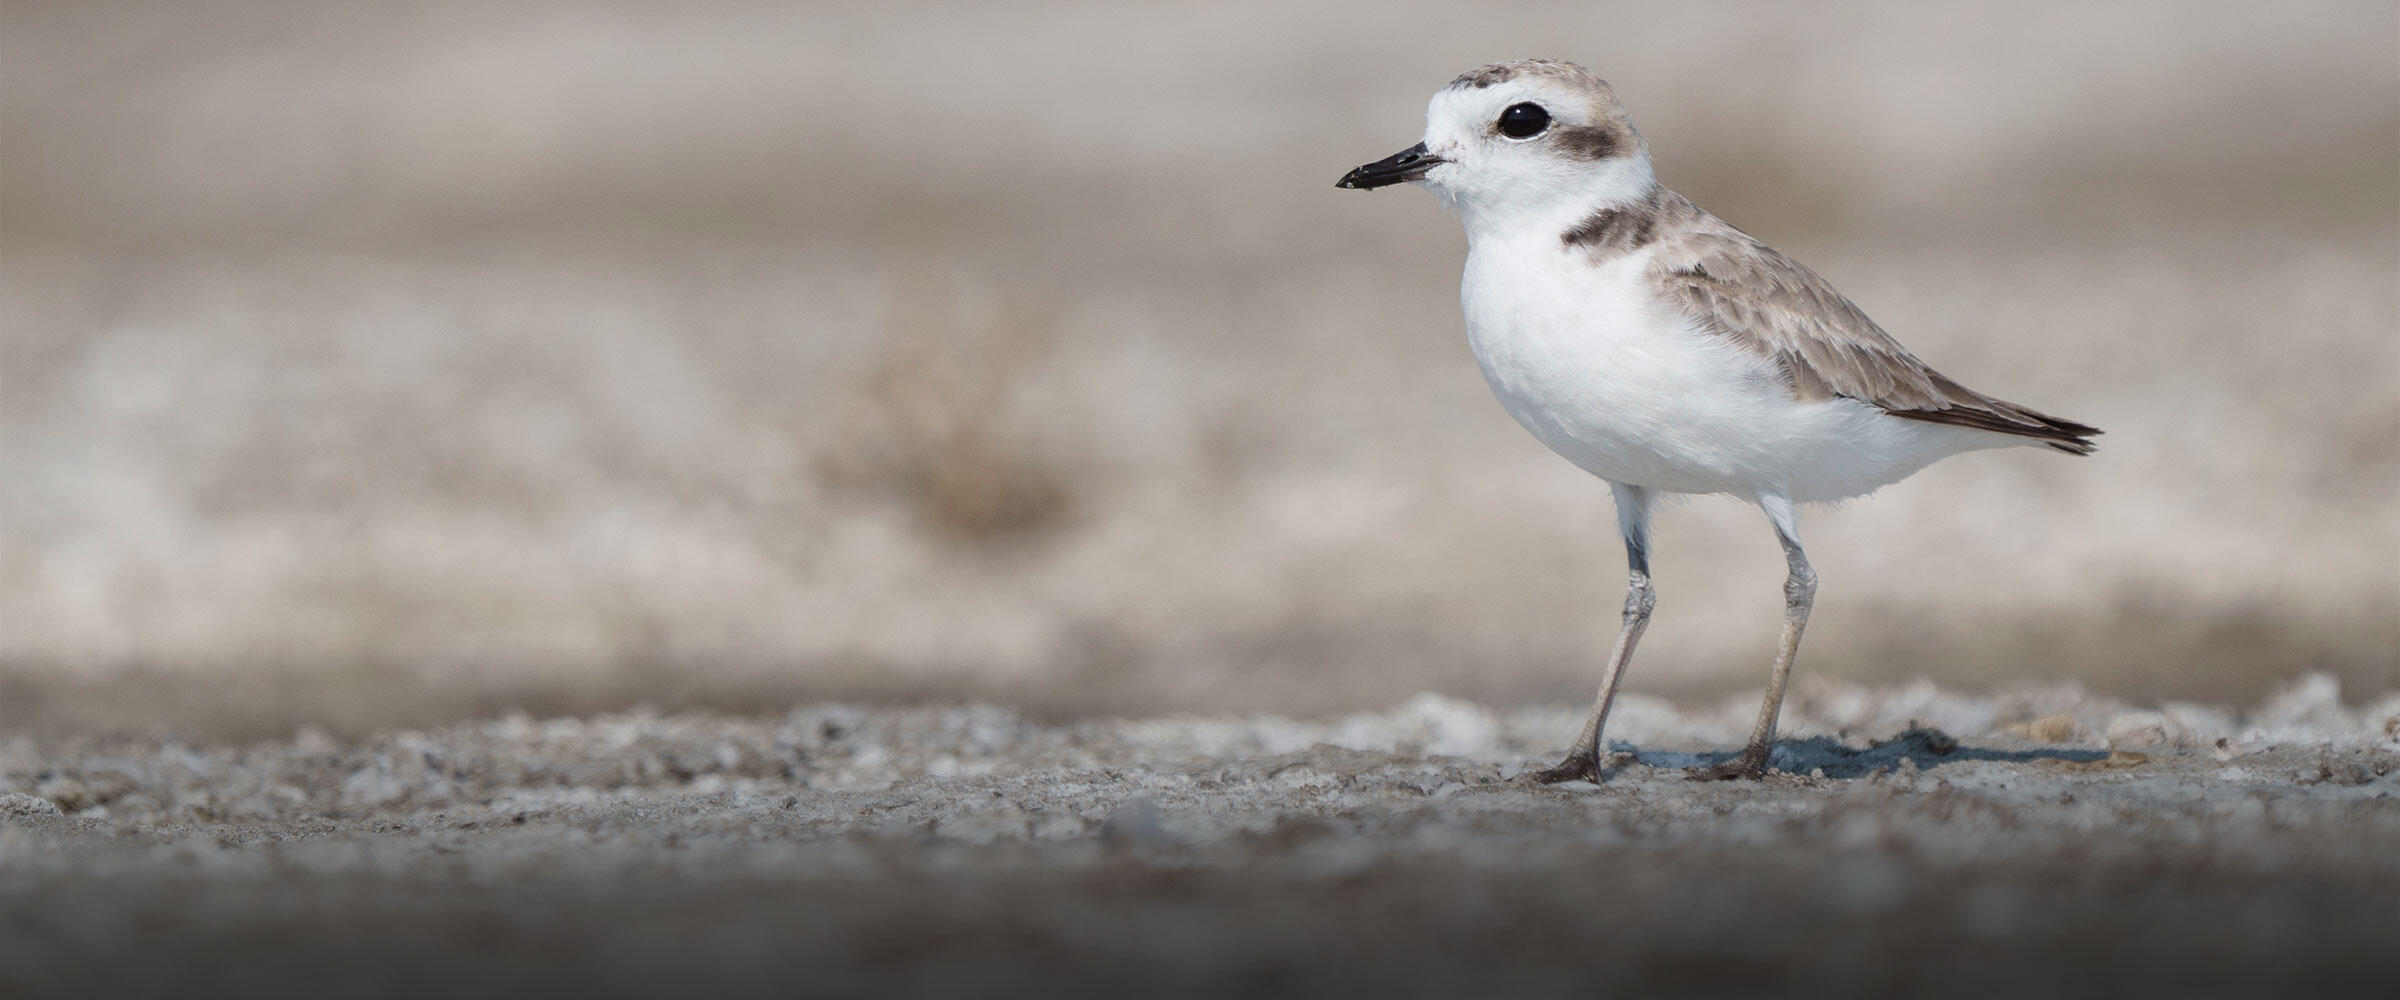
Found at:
(1744, 290)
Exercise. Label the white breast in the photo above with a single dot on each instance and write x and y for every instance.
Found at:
(1625, 386)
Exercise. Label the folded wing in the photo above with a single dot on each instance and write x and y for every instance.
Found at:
(1747, 292)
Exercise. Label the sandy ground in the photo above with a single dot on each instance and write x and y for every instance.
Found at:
(2040, 842)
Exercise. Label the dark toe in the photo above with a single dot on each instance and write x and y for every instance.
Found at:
(1574, 768)
(1742, 768)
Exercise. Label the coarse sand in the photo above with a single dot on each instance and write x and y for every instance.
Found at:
(2039, 842)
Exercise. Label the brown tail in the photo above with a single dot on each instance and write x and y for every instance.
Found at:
(2009, 418)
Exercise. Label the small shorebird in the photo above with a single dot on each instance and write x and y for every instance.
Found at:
(1665, 351)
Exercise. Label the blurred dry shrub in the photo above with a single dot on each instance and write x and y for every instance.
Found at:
(935, 426)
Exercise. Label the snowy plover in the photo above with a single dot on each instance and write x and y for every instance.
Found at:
(1665, 351)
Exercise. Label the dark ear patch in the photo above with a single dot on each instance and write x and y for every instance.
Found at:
(1591, 142)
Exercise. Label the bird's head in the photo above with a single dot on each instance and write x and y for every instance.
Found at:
(1536, 142)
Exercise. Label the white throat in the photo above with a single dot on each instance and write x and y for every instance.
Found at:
(1546, 203)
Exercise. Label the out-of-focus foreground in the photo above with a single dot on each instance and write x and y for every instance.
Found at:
(973, 852)
(2039, 843)
(377, 364)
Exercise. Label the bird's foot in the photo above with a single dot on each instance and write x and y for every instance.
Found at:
(1749, 765)
(1579, 766)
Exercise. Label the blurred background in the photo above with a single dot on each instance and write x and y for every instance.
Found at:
(372, 364)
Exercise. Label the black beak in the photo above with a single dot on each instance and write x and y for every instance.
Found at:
(1401, 167)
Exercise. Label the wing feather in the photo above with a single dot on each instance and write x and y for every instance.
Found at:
(1826, 347)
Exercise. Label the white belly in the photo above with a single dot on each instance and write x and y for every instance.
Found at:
(1630, 390)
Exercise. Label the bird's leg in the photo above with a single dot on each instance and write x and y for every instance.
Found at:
(1799, 594)
(1633, 522)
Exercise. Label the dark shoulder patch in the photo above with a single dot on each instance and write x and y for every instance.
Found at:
(1627, 227)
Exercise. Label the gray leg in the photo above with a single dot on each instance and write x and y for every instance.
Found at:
(1633, 522)
(1799, 594)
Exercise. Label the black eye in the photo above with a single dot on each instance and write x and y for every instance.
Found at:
(1523, 121)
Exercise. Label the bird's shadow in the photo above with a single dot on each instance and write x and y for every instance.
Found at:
(1925, 748)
